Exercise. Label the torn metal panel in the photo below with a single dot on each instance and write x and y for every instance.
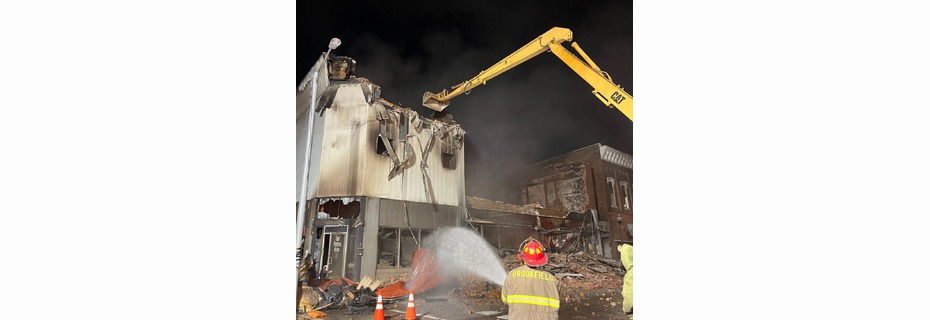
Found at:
(326, 99)
(303, 95)
(359, 123)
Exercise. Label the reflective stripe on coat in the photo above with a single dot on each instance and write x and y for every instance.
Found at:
(531, 294)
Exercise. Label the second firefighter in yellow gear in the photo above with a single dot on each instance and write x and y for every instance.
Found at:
(529, 292)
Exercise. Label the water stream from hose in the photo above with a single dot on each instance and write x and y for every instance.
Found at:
(462, 251)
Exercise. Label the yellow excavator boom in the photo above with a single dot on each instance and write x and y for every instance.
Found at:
(604, 88)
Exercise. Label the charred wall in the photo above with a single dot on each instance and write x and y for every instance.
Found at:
(595, 177)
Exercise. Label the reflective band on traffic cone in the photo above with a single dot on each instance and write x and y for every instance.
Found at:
(411, 309)
(379, 310)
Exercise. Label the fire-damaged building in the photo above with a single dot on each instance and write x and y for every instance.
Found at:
(378, 177)
(374, 179)
(581, 200)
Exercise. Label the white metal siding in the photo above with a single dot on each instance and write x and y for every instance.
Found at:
(304, 95)
(351, 167)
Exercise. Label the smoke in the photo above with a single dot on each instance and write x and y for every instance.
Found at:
(533, 112)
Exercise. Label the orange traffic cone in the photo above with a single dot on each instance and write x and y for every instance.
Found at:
(379, 310)
(411, 309)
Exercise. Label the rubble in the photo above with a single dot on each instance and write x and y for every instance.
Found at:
(582, 277)
(610, 262)
(584, 272)
(485, 204)
(367, 282)
(585, 281)
(338, 294)
(478, 293)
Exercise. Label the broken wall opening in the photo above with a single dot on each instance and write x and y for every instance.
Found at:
(348, 208)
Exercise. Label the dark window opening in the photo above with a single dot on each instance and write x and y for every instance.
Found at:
(397, 245)
(448, 160)
(382, 149)
(407, 245)
(449, 156)
(324, 260)
(387, 131)
(611, 190)
(388, 248)
(626, 195)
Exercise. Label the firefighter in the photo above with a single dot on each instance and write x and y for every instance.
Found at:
(530, 292)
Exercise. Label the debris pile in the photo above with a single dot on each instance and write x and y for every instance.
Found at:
(338, 294)
(478, 293)
(579, 272)
(582, 277)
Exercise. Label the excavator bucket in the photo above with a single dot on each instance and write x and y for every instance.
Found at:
(430, 100)
(423, 276)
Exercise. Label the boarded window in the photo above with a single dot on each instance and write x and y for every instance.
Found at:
(551, 195)
(572, 194)
(536, 194)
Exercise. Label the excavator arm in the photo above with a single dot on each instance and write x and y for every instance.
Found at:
(604, 88)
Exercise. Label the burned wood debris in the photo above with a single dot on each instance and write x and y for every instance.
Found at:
(338, 294)
(481, 203)
(579, 270)
(561, 231)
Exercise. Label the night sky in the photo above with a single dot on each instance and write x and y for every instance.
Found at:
(536, 111)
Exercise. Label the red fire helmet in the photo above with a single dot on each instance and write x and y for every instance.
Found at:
(533, 253)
